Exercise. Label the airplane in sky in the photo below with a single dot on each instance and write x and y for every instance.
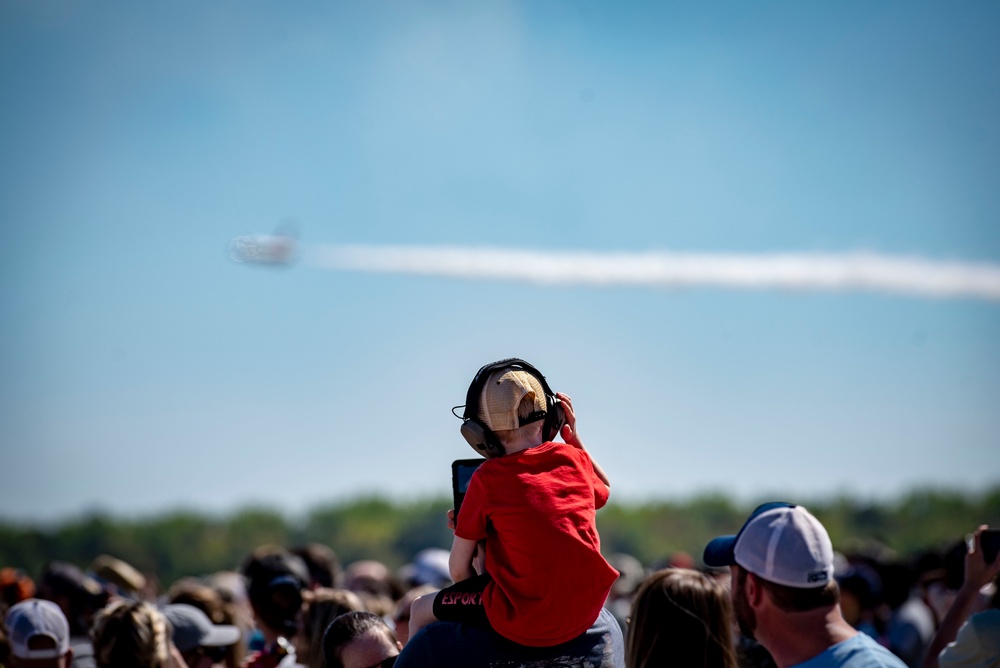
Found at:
(276, 250)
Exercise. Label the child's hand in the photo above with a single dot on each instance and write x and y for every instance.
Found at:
(451, 519)
(569, 433)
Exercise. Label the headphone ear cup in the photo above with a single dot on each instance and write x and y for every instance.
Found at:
(483, 442)
(555, 417)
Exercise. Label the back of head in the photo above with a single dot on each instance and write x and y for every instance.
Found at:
(320, 608)
(348, 627)
(790, 552)
(78, 594)
(37, 629)
(130, 634)
(323, 564)
(680, 618)
(275, 579)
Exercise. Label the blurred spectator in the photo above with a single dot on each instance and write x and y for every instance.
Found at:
(860, 597)
(401, 615)
(323, 564)
(680, 618)
(630, 577)
(220, 610)
(429, 567)
(275, 580)
(15, 586)
(201, 643)
(375, 584)
(38, 635)
(961, 641)
(911, 622)
(131, 634)
(360, 640)
(123, 578)
(79, 596)
(320, 607)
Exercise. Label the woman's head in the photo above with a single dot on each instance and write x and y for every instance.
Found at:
(359, 640)
(319, 609)
(680, 618)
(130, 634)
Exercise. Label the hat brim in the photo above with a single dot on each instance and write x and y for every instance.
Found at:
(720, 552)
(221, 635)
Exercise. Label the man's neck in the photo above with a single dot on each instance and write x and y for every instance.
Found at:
(795, 637)
(521, 444)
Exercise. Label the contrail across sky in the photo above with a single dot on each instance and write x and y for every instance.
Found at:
(864, 271)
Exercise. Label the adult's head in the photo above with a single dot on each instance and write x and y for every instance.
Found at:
(130, 634)
(680, 618)
(76, 593)
(787, 551)
(323, 564)
(275, 579)
(360, 640)
(783, 590)
(320, 607)
(201, 643)
(38, 634)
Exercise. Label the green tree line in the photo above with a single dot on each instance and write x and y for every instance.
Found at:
(181, 543)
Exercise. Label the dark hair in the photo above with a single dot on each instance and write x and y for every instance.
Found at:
(323, 564)
(345, 629)
(275, 579)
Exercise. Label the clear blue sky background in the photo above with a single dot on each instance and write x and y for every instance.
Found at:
(141, 370)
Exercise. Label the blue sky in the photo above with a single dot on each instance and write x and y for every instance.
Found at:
(142, 370)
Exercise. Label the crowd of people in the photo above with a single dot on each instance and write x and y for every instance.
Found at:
(525, 585)
(298, 607)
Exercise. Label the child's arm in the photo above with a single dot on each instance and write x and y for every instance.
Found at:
(571, 437)
(460, 559)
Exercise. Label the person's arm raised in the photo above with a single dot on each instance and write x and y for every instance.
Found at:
(572, 437)
(978, 574)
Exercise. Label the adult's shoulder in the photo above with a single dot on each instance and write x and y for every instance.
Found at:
(453, 644)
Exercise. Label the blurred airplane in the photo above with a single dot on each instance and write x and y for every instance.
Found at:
(273, 250)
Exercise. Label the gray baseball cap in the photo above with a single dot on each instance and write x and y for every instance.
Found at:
(192, 628)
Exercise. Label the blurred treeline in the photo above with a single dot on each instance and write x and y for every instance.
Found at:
(183, 543)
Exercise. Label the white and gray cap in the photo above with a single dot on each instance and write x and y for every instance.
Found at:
(35, 618)
(780, 542)
(192, 628)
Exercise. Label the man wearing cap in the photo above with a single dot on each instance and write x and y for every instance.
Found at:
(784, 594)
(201, 643)
(39, 635)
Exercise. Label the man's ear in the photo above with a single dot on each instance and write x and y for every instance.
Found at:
(754, 590)
(67, 658)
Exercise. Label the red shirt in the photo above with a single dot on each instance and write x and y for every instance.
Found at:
(536, 509)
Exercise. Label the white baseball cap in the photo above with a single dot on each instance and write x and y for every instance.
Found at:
(34, 618)
(781, 543)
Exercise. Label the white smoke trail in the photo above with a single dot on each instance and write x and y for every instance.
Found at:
(788, 271)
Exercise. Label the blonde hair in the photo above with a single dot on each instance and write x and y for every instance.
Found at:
(130, 634)
(680, 618)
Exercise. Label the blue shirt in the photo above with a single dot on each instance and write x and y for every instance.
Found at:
(857, 652)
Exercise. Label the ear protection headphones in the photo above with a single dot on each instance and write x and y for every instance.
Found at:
(480, 437)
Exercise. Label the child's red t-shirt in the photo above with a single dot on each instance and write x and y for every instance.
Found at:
(536, 509)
